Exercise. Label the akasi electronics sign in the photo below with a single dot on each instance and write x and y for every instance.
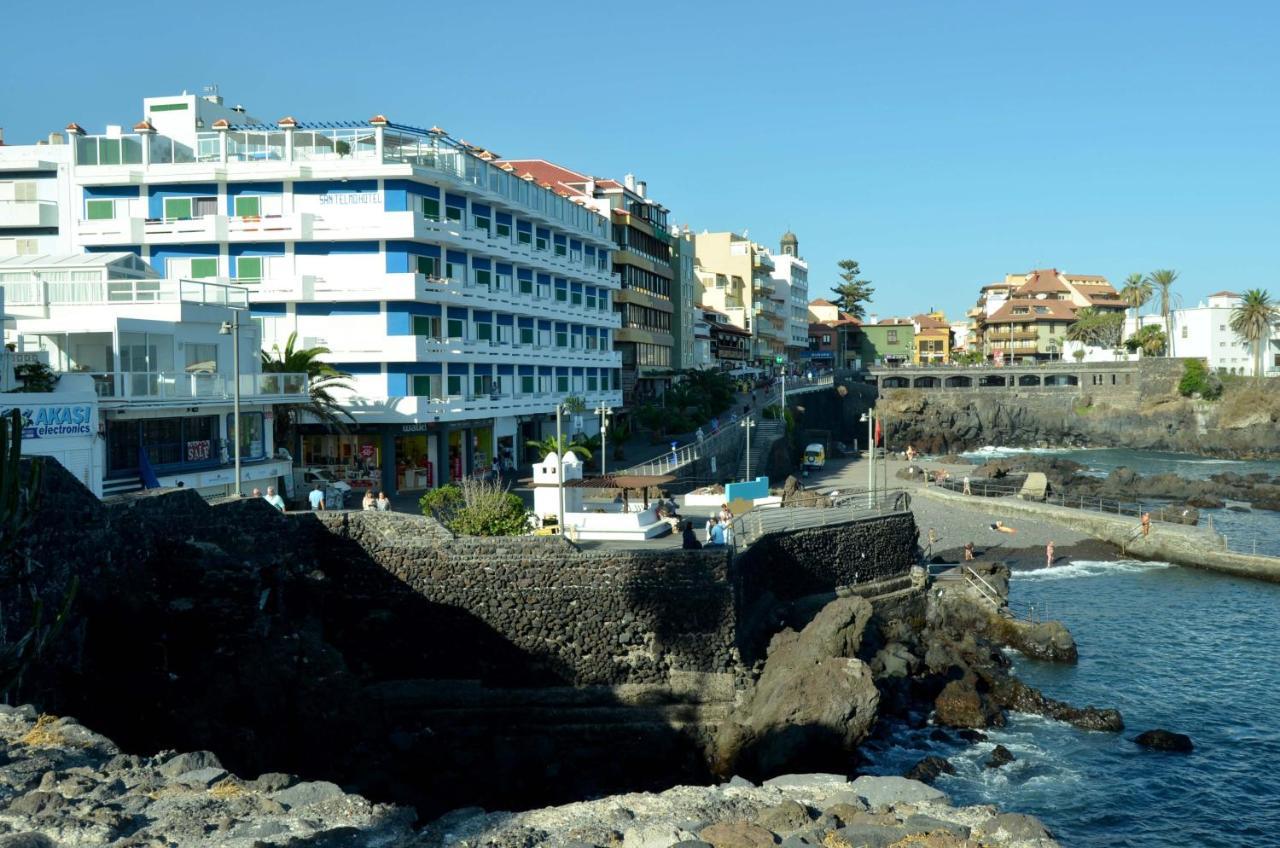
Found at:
(55, 421)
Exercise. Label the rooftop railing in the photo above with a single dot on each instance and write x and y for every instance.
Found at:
(159, 386)
(90, 293)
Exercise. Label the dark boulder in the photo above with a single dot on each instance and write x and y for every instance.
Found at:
(1000, 756)
(928, 769)
(960, 704)
(1013, 694)
(1206, 502)
(1164, 740)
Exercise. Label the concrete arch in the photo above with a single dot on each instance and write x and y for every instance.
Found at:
(1029, 380)
(1062, 380)
(895, 383)
(927, 382)
(992, 380)
(958, 382)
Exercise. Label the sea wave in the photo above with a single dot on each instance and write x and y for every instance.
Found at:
(1089, 568)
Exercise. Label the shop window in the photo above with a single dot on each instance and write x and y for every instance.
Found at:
(252, 444)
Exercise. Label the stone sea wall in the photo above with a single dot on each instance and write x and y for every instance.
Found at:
(579, 616)
(1149, 415)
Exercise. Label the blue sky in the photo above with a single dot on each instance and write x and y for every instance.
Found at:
(941, 144)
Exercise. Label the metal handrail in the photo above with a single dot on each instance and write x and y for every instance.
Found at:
(749, 527)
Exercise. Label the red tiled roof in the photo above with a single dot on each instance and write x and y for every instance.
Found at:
(929, 322)
(1042, 281)
(1057, 310)
(821, 302)
(1224, 294)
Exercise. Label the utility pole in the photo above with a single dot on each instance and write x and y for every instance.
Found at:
(604, 412)
(232, 327)
(560, 467)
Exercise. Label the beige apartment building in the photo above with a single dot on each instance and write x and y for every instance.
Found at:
(735, 277)
(1026, 316)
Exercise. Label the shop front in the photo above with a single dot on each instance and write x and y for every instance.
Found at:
(415, 446)
(355, 458)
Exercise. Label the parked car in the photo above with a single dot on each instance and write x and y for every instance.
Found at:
(815, 456)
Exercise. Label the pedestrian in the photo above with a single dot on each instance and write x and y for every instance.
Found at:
(726, 530)
(384, 502)
(274, 499)
(1146, 524)
(699, 435)
(688, 541)
(316, 497)
(368, 503)
(1048, 555)
(933, 539)
(725, 514)
(257, 493)
(711, 524)
(966, 485)
(968, 551)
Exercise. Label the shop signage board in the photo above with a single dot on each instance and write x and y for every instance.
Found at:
(53, 421)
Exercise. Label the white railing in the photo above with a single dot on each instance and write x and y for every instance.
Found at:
(94, 292)
(179, 385)
(752, 526)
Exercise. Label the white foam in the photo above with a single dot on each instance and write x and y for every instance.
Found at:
(1089, 568)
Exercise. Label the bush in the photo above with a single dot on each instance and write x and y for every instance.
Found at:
(477, 508)
(1196, 380)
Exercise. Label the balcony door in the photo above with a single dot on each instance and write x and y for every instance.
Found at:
(147, 361)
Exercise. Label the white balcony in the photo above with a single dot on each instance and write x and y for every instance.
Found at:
(295, 226)
(28, 213)
(425, 409)
(159, 388)
(209, 228)
(110, 231)
(427, 349)
(35, 299)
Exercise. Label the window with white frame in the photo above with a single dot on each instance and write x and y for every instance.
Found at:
(99, 210)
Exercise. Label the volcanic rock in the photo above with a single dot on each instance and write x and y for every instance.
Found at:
(1164, 740)
(929, 768)
(1000, 755)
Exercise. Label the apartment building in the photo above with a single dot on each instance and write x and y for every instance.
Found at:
(154, 366)
(888, 341)
(1204, 331)
(646, 265)
(464, 300)
(791, 282)
(835, 337)
(35, 197)
(1026, 316)
(931, 340)
(736, 278)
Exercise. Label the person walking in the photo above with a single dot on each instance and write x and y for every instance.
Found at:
(1048, 555)
(316, 498)
(1146, 524)
(274, 499)
(966, 485)
(968, 551)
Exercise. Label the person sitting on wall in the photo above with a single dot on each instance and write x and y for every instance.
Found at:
(688, 541)
(384, 502)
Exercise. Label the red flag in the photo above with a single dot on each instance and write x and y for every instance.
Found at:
(879, 434)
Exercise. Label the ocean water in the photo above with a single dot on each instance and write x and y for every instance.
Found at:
(1171, 647)
(1254, 531)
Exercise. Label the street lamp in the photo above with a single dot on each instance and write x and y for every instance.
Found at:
(560, 468)
(605, 413)
(747, 424)
(869, 417)
(232, 328)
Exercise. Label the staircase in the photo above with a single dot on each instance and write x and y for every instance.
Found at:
(121, 486)
(763, 435)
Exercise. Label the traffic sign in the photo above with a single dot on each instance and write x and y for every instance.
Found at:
(780, 359)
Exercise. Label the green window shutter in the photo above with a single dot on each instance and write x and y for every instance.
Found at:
(201, 268)
(248, 206)
(455, 386)
(422, 386)
(249, 268)
(484, 332)
(430, 208)
(100, 210)
(426, 265)
(177, 207)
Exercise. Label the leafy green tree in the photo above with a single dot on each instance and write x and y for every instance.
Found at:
(477, 508)
(35, 377)
(322, 380)
(852, 291)
(1196, 380)
(1253, 320)
(1163, 281)
(1097, 329)
(1150, 340)
(1136, 292)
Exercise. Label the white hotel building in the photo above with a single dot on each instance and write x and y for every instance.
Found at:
(465, 302)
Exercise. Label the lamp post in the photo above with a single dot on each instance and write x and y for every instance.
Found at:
(747, 424)
(232, 328)
(604, 412)
(560, 469)
(869, 417)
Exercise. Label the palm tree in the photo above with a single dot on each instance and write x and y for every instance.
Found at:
(1136, 293)
(1163, 280)
(322, 380)
(1084, 329)
(1253, 320)
(549, 445)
